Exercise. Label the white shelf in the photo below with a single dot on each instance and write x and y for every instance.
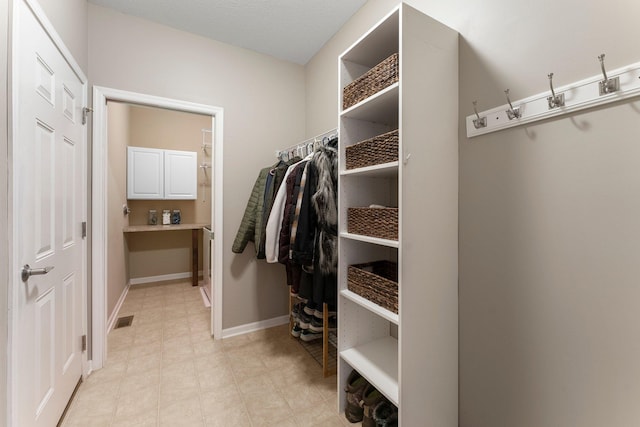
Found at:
(379, 108)
(369, 239)
(377, 44)
(371, 306)
(428, 53)
(379, 171)
(377, 361)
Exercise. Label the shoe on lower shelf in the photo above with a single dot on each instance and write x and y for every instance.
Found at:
(317, 324)
(385, 414)
(304, 320)
(319, 314)
(309, 335)
(354, 388)
(371, 397)
(296, 309)
(309, 310)
(296, 330)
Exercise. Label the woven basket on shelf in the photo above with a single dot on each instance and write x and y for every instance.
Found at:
(373, 151)
(376, 281)
(373, 81)
(374, 222)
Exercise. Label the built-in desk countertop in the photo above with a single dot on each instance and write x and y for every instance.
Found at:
(176, 227)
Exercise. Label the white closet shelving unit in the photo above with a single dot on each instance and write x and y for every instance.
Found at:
(412, 356)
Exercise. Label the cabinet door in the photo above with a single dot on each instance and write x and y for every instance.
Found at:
(145, 173)
(180, 175)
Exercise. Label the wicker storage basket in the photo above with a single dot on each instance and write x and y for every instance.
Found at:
(376, 281)
(373, 151)
(374, 222)
(379, 77)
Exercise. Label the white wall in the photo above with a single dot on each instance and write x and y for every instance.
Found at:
(4, 209)
(263, 100)
(549, 236)
(117, 249)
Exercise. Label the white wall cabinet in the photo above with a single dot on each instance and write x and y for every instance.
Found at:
(155, 174)
(180, 175)
(412, 356)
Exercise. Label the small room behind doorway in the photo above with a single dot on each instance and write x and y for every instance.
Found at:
(137, 258)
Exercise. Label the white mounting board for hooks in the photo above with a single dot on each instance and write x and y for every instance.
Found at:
(578, 96)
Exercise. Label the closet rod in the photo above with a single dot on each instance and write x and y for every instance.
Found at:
(318, 138)
(618, 85)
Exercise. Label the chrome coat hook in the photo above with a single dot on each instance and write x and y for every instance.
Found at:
(607, 85)
(554, 100)
(512, 113)
(478, 122)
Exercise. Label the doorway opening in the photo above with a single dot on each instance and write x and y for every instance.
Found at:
(209, 193)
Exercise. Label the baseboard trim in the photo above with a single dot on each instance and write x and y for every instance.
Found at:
(114, 315)
(255, 326)
(162, 278)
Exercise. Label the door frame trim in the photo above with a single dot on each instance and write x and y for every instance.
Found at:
(13, 275)
(98, 199)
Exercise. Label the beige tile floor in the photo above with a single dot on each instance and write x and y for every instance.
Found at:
(166, 370)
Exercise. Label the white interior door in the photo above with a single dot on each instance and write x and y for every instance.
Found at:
(49, 199)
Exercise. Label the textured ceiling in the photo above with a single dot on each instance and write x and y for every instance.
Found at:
(293, 30)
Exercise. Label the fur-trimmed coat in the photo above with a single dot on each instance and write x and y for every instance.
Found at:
(325, 205)
(315, 244)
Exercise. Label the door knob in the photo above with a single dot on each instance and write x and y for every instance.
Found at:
(28, 271)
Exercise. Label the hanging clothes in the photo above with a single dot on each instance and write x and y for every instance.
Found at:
(273, 184)
(292, 217)
(253, 224)
(274, 223)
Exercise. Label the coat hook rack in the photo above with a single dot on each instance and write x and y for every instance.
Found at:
(618, 85)
(607, 85)
(478, 122)
(554, 100)
(512, 113)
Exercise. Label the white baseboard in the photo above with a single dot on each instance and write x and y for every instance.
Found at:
(161, 278)
(114, 315)
(255, 326)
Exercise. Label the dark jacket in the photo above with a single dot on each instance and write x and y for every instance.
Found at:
(276, 175)
(293, 187)
(302, 250)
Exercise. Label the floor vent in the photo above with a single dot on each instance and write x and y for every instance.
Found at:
(123, 322)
